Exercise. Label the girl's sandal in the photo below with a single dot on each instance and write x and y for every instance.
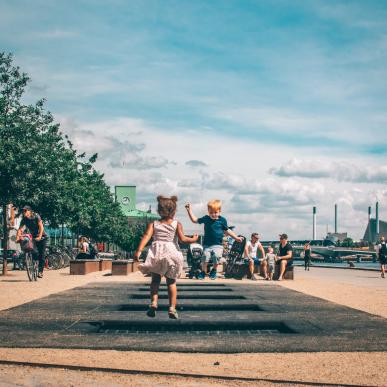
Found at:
(151, 312)
(172, 313)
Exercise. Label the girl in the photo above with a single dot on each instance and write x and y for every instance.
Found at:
(164, 257)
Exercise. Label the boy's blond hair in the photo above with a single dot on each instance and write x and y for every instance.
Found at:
(215, 205)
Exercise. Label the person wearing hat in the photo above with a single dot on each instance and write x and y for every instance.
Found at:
(33, 222)
(285, 255)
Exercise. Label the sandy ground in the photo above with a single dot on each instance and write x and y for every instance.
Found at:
(361, 290)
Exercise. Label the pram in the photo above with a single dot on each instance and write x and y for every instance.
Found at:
(236, 267)
(194, 260)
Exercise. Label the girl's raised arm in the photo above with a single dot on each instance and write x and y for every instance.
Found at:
(184, 238)
(145, 239)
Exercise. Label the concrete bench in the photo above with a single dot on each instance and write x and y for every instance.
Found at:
(124, 267)
(83, 266)
(105, 264)
(289, 272)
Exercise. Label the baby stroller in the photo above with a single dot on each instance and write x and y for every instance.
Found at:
(194, 260)
(236, 267)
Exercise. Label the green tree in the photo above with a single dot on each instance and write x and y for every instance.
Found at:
(40, 167)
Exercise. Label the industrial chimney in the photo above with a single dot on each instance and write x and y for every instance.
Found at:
(369, 225)
(314, 223)
(377, 221)
(335, 218)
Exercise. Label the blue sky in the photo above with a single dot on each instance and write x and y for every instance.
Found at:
(279, 94)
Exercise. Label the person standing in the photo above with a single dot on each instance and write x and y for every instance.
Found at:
(270, 263)
(284, 256)
(33, 222)
(382, 252)
(251, 250)
(307, 256)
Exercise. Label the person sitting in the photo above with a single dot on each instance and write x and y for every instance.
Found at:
(84, 252)
(251, 251)
(284, 256)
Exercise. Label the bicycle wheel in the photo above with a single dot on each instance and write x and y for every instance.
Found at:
(29, 265)
(54, 261)
(36, 268)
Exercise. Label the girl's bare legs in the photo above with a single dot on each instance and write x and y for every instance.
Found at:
(172, 294)
(154, 289)
(154, 295)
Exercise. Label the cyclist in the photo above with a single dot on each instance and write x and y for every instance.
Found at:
(33, 222)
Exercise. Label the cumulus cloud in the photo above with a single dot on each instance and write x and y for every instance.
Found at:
(339, 171)
(281, 201)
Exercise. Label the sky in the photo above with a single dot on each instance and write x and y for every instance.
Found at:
(271, 106)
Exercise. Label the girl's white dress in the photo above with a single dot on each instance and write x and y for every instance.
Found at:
(164, 257)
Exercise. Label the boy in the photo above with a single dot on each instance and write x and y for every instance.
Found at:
(215, 226)
(270, 261)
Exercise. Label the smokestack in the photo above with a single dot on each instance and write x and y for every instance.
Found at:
(335, 218)
(314, 223)
(377, 221)
(369, 224)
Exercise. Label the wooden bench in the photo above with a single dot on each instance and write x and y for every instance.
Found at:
(83, 266)
(124, 267)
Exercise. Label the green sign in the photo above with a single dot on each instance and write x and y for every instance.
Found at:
(126, 196)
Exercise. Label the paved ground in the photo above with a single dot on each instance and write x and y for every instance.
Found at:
(364, 291)
(214, 317)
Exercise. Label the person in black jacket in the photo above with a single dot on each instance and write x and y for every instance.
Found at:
(33, 222)
(382, 252)
(307, 256)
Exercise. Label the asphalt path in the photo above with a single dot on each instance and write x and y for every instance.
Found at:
(215, 317)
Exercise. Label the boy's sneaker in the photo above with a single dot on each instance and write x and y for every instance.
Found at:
(202, 275)
(253, 277)
(213, 274)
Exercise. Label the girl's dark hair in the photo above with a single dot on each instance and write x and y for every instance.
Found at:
(166, 206)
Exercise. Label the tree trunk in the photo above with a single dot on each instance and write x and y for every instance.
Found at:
(5, 239)
(62, 236)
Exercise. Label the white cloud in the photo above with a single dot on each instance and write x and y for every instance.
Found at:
(237, 173)
(340, 171)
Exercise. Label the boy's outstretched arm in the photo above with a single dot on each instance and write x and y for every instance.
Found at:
(145, 239)
(193, 218)
(184, 238)
(233, 235)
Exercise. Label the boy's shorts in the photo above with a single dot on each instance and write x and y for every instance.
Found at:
(255, 260)
(212, 254)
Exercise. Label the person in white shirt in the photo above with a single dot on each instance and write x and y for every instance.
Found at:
(251, 250)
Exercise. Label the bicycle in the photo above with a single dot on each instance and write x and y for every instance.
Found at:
(31, 264)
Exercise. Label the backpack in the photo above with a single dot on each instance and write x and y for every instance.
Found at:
(93, 251)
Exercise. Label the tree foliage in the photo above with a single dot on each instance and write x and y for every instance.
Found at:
(40, 167)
